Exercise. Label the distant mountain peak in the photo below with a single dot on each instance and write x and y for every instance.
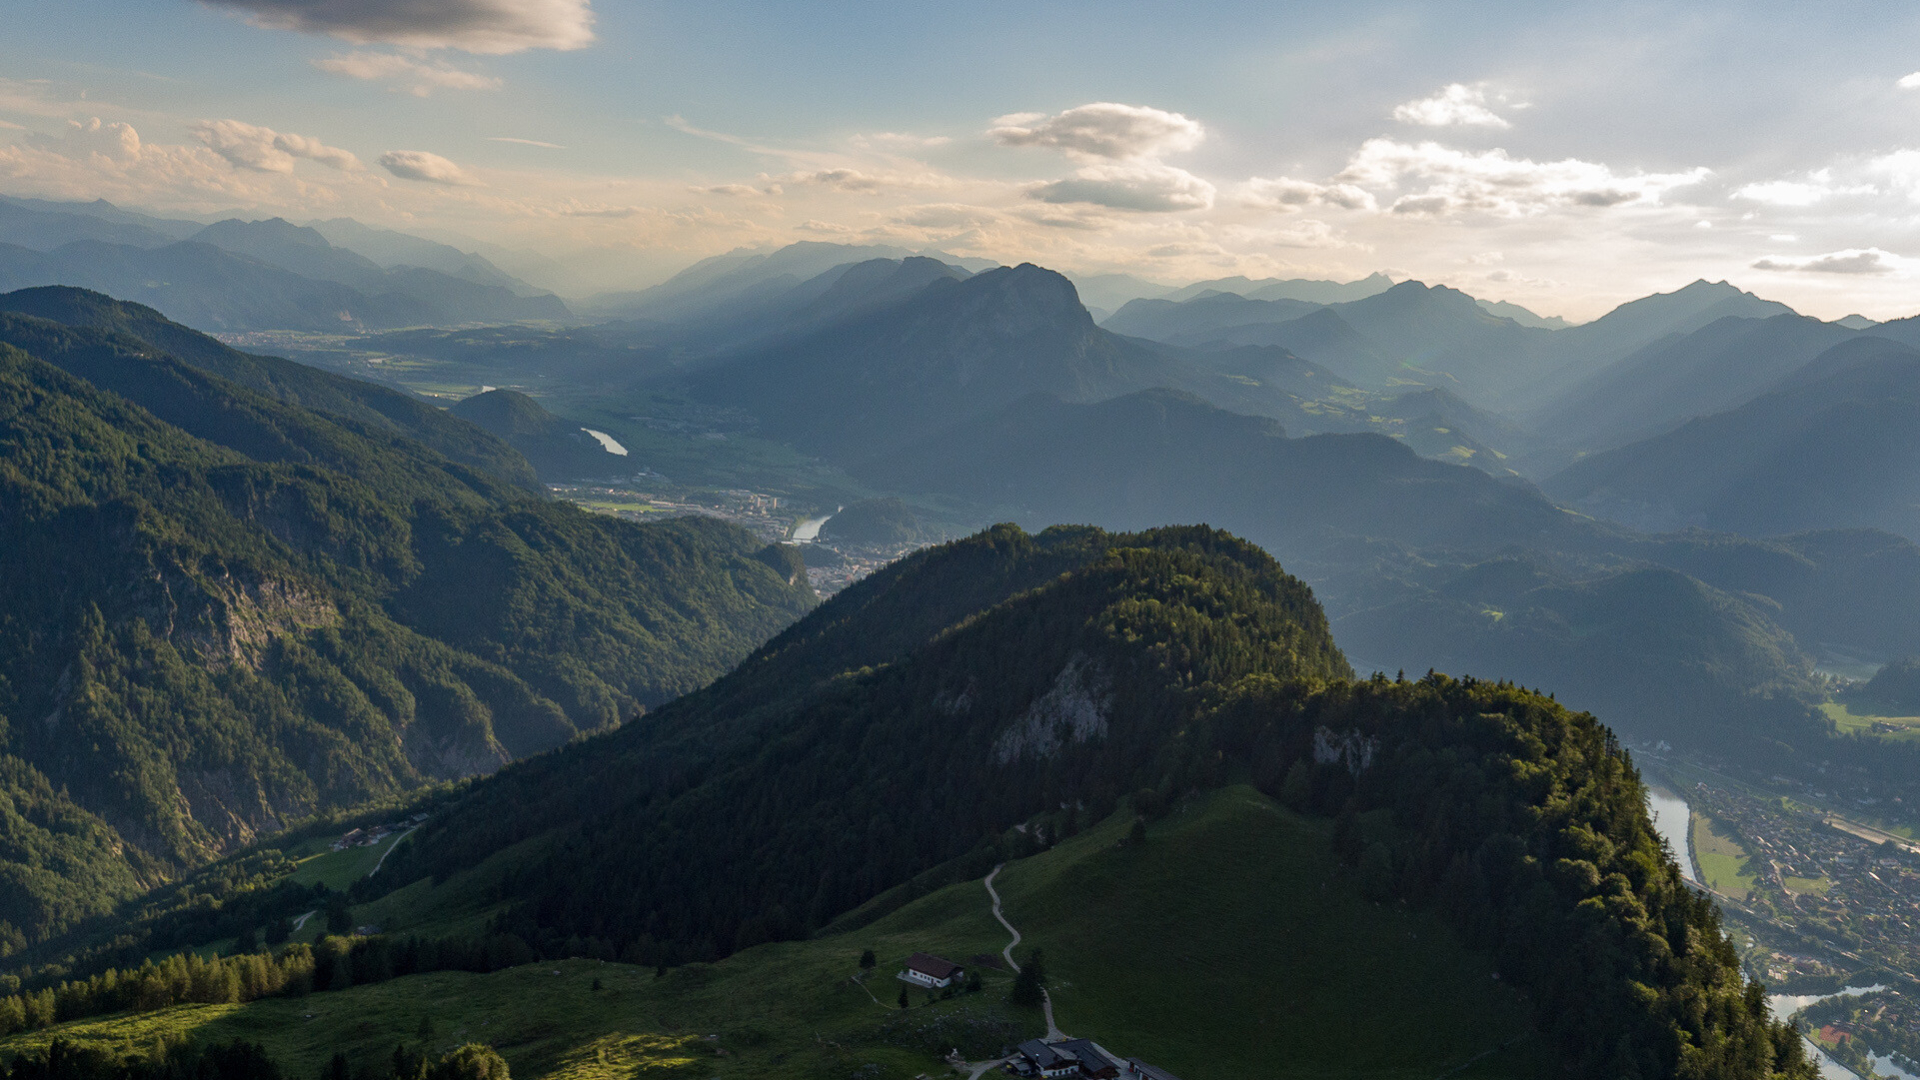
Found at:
(276, 228)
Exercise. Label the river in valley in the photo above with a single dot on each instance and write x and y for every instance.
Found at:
(1673, 820)
(809, 530)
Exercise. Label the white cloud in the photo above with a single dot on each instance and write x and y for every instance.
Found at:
(416, 77)
(249, 146)
(899, 140)
(1454, 104)
(116, 141)
(843, 178)
(477, 26)
(1818, 186)
(734, 190)
(525, 142)
(1102, 130)
(1909, 82)
(430, 168)
(1146, 186)
(1850, 261)
(946, 216)
(1493, 182)
(1288, 195)
(1296, 233)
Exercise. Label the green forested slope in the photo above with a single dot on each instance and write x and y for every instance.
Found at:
(1169, 950)
(225, 611)
(378, 408)
(835, 777)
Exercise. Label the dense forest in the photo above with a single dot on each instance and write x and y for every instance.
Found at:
(893, 740)
(228, 610)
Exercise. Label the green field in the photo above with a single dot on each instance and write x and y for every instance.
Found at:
(1228, 946)
(1850, 720)
(338, 869)
(1723, 862)
(1808, 885)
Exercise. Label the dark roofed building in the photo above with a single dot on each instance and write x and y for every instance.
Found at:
(931, 971)
(1042, 1059)
(1140, 1070)
(1095, 1063)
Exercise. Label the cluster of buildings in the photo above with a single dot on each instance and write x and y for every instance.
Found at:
(1082, 1059)
(1820, 876)
(373, 834)
(1037, 1059)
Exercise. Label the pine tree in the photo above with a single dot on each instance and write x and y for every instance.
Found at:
(867, 960)
(903, 998)
(1029, 987)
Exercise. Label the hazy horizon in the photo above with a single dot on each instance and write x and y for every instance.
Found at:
(1565, 160)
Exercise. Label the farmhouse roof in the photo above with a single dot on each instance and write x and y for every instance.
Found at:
(932, 966)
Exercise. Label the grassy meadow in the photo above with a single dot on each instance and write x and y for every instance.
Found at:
(1228, 945)
(1723, 862)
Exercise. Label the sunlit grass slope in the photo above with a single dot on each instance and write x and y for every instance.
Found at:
(1229, 945)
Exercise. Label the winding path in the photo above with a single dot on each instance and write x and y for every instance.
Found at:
(389, 851)
(1054, 1034)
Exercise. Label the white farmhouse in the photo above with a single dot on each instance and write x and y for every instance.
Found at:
(930, 971)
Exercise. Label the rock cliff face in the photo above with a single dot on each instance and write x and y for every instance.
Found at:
(1074, 710)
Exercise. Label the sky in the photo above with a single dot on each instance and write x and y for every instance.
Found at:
(1566, 157)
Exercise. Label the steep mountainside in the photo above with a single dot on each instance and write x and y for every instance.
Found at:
(1156, 665)
(208, 286)
(1409, 333)
(1161, 455)
(1635, 325)
(559, 450)
(1639, 646)
(953, 350)
(392, 249)
(1202, 319)
(1835, 445)
(378, 407)
(226, 611)
(715, 284)
(1312, 292)
(205, 287)
(44, 230)
(1443, 336)
(1717, 367)
(439, 297)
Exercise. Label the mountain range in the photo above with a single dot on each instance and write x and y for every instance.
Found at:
(247, 275)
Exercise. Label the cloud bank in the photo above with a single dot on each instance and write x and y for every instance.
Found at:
(1102, 130)
(1144, 186)
(416, 77)
(1449, 181)
(1851, 261)
(425, 167)
(1455, 104)
(249, 146)
(476, 26)
(115, 141)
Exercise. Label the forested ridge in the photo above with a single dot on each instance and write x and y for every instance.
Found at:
(226, 611)
(894, 739)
